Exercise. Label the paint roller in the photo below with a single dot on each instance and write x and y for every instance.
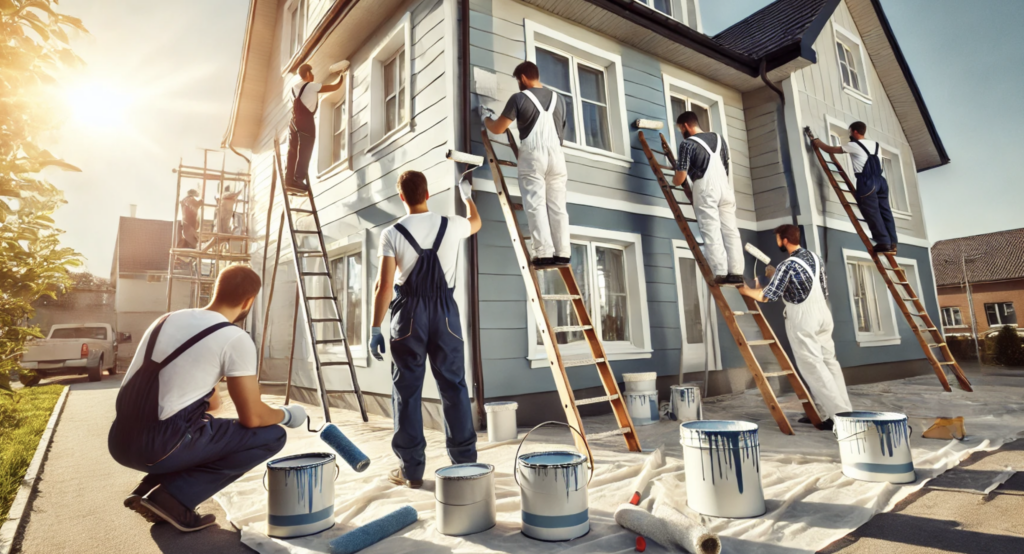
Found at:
(653, 462)
(670, 530)
(472, 162)
(348, 451)
(756, 253)
(374, 532)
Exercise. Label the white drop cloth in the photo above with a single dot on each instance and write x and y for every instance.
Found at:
(810, 502)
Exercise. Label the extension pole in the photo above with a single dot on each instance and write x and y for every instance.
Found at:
(291, 351)
(270, 301)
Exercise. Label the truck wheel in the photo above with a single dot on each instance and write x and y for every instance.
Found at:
(95, 373)
(113, 367)
(29, 380)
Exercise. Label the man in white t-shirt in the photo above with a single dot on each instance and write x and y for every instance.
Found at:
(425, 324)
(162, 427)
(302, 130)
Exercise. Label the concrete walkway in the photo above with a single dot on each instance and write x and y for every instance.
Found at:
(78, 505)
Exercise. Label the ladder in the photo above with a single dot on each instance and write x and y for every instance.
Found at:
(728, 314)
(548, 332)
(918, 319)
(313, 253)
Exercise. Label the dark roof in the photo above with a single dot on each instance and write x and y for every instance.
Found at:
(142, 244)
(782, 26)
(989, 257)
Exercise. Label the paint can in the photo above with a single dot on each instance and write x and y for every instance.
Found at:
(685, 403)
(553, 485)
(300, 494)
(501, 421)
(642, 406)
(875, 446)
(723, 468)
(640, 382)
(464, 499)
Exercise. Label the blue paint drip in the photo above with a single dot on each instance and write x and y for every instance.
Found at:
(735, 447)
(644, 399)
(689, 396)
(570, 471)
(306, 479)
(891, 433)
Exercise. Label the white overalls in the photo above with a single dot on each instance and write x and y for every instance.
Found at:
(809, 326)
(714, 203)
(542, 179)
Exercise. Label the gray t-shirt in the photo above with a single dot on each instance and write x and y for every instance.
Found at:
(694, 159)
(521, 108)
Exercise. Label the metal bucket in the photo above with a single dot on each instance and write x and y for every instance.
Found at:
(723, 468)
(640, 382)
(685, 403)
(875, 446)
(501, 421)
(300, 495)
(464, 499)
(554, 498)
(642, 406)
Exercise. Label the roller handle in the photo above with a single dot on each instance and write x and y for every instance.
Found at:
(590, 455)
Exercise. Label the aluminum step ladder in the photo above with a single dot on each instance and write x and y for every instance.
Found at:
(728, 314)
(918, 319)
(313, 269)
(558, 365)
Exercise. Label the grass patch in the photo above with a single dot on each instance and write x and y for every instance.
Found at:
(23, 418)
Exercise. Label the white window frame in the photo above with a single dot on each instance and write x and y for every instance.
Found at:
(999, 325)
(714, 103)
(356, 244)
(886, 306)
(678, 11)
(399, 39)
(639, 345)
(287, 54)
(952, 310)
(586, 53)
(326, 163)
(680, 248)
(848, 39)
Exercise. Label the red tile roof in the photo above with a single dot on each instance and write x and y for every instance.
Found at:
(142, 244)
(989, 257)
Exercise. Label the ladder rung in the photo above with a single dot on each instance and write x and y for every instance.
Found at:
(619, 431)
(325, 319)
(333, 363)
(303, 252)
(915, 314)
(929, 328)
(568, 328)
(746, 313)
(581, 361)
(596, 399)
(549, 267)
(667, 167)
(301, 210)
(947, 363)
(319, 298)
(937, 345)
(325, 341)
(777, 373)
(760, 342)
(305, 232)
(895, 268)
(561, 297)
(314, 274)
(506, 163)
(515, 206)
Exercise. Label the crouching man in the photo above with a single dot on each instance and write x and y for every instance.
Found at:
(162, 427)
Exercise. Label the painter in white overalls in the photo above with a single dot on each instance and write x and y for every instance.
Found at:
(714, 203)
(542, 180)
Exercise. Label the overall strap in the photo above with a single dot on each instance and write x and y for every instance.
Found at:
(301, 90)
(865, 148)
(554, 102)
(440, 234)
(153, 336)
(534, 99)
(878, 146)
(193, 341)
(408, 236)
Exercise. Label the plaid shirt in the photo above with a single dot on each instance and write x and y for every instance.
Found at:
(792, 282)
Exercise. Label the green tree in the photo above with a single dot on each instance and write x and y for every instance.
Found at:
(34, 45)
(1008, 348)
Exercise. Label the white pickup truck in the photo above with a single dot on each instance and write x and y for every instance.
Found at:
(82, 348)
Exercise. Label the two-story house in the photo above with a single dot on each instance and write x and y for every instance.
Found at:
(418, 70)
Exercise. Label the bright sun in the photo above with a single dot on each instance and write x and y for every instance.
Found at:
(99, 106)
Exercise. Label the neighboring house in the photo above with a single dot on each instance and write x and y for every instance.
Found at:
(418, 70)
(90, 300)
(991, 268)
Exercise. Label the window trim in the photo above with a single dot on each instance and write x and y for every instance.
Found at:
(639, 346)
(400, 38)
(676, 87)
(999, 325)
(287, 56)
(863, 339)
(840, 35)
(682, 248)
(958, 313)
(618, 130)
(356, 243)
(326, 145)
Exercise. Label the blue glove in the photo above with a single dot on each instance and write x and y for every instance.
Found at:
(377, 344)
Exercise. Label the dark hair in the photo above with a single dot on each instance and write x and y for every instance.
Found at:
(236, 284)
(859, 127)
(413, 186)
(528, 70)
(304, 69)
(687, 118)
(789, 232)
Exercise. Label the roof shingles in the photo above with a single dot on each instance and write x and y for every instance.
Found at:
(989, 257)
(774, 27)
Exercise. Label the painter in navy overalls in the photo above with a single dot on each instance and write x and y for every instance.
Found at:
(301, 136)
(425, 324)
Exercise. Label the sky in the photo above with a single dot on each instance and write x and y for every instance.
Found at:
(160, 79)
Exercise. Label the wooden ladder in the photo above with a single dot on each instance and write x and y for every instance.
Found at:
(315, 255)
(547, 331)
(728, 314)
(919, 320)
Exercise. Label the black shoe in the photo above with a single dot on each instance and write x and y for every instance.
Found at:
(826, 425)
(804, 419)
(162, 504)
(134, 500)
(731, 279)
(543, 262)
(559, 260)
(721, 279)
(884, 248)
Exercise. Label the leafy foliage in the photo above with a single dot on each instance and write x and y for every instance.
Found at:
(1008, 349)
(34, 44)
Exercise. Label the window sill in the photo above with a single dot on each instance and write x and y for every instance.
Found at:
(857, 94)
(596, 154)
(387, 139)
(613, 351)
(877, 341)
(338, 167)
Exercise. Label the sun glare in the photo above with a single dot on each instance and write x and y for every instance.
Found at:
(99, 106)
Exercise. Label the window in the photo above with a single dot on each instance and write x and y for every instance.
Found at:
(681, 96)
(582, 86)
(1000, 313)
(892, 170)
(347, 276)
(663, 6)
(339, 118)
(867, 314)
(297, 26)
(682, 104)
(394, 92)
(951, 317)
(852, 64)
(871, 305)
(390, 97)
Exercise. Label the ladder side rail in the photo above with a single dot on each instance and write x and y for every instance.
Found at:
(175, 231)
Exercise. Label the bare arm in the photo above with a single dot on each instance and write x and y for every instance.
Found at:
(828, 148)
(497, 126)
(679, 178)
(325, 89)
(383, 289)
(475, 221)
(757, 293)
(252, 412)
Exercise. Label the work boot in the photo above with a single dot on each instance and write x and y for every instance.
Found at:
(884, 248)
(721, 279)
(543, 262)
(735, 280)
(804, 419)
(560, 260)
(134, 500)
(397, 478)
(826, 425)
(162, 504)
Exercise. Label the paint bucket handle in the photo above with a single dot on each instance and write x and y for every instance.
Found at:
(265, 480)
(590, 455)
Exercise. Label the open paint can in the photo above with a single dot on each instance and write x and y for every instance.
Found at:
(555, 504)
(723, 468)
(300, 494)
(464, 499)
(640, 382)
(501, 421)
(642, 406)
(684, 404)
(875, 446)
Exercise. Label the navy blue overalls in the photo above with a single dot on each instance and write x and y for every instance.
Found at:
(191, 455)
(425, 323)
(301, 136)
(873, 198)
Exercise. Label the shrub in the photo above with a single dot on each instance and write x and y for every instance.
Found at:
(1008, 349)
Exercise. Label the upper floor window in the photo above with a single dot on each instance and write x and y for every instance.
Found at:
(852, 63)
(297, 11)
(951, 317)
(332, 131)
(339, 127)
(1000, 313)
(394, 92)
(892, 170)
(663, 6)
(680, 104)
(582, 86)
(390, 76)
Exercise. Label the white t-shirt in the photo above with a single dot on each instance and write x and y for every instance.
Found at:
(228, 352)
(857, 155)
(309, 95)
(423, 227)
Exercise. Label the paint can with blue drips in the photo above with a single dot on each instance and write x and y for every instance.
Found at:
(642, 406)
(685, 403)
(723, 468)
(875, 446)
(300, 494)
(553, 485)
